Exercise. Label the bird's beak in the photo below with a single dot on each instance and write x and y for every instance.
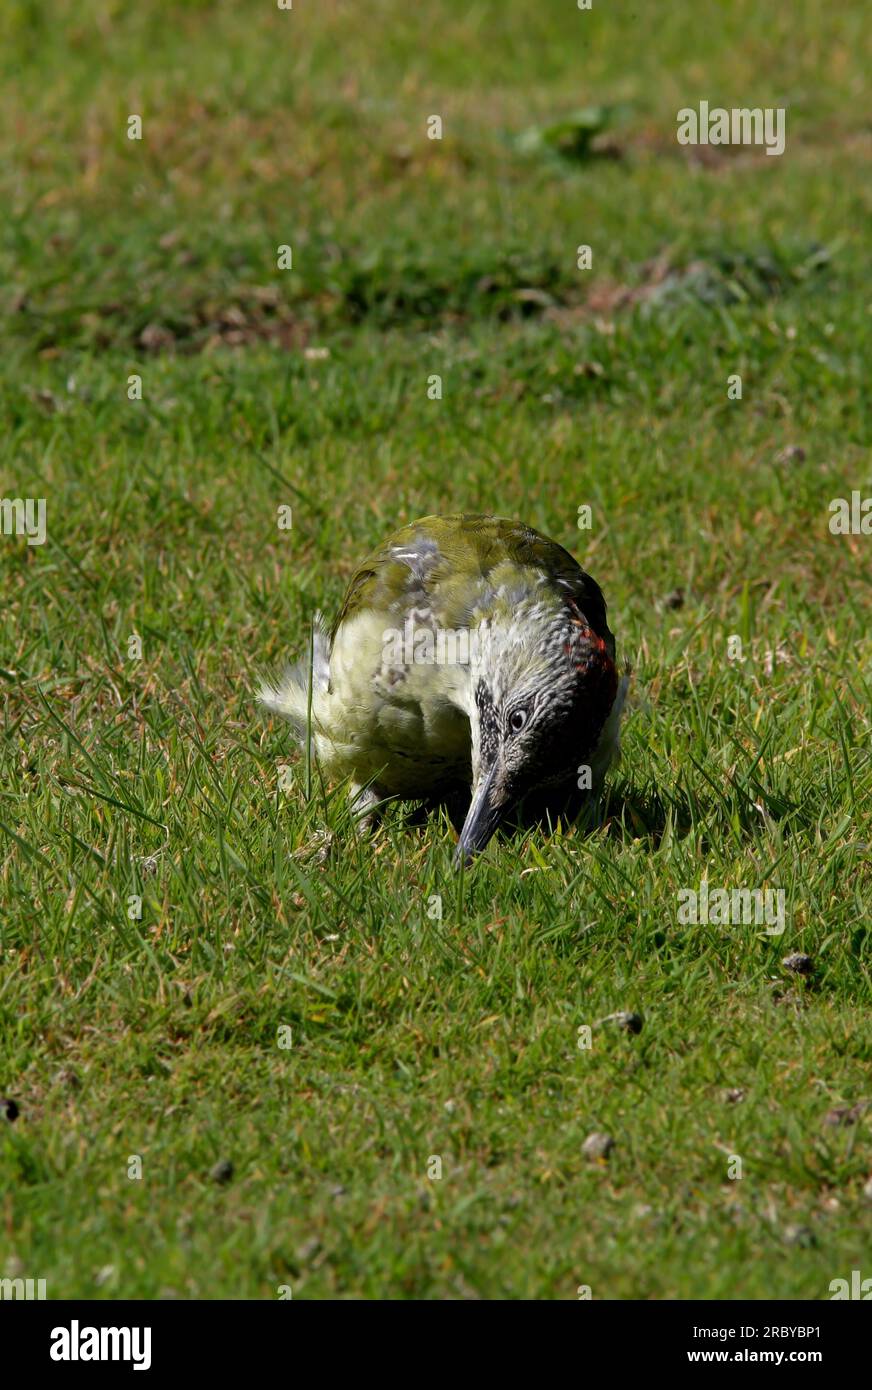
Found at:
(481, 821)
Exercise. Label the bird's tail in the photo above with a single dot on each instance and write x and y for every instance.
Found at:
(289, 695)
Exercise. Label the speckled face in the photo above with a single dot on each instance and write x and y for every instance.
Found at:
(488, 724)
(536, 732)
(541, 695)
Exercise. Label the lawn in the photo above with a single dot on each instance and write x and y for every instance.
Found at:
(249, 1050)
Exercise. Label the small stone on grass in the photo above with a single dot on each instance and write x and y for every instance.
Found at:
(597, 1146)
(797, 962)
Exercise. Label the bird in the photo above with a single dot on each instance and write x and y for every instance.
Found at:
(470, 651)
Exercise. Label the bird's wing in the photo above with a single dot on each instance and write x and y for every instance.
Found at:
(432, 562)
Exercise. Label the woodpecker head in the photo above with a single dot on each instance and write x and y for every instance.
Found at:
(542, 686)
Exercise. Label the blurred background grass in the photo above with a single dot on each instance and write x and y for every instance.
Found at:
(265, 127)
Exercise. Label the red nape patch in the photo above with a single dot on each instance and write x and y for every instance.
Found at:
(590, 636)
(597, 666)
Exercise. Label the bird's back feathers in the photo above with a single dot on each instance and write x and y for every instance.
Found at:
(448, 562)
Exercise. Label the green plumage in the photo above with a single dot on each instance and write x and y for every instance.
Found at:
(468, 649)
(472, 548)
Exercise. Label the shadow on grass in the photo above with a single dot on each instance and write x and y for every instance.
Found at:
(627, 813)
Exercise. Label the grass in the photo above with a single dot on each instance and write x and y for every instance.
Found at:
(154, 778)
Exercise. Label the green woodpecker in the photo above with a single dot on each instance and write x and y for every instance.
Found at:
(469, 650)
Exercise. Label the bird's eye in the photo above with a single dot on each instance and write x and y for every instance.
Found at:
(517, 720)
